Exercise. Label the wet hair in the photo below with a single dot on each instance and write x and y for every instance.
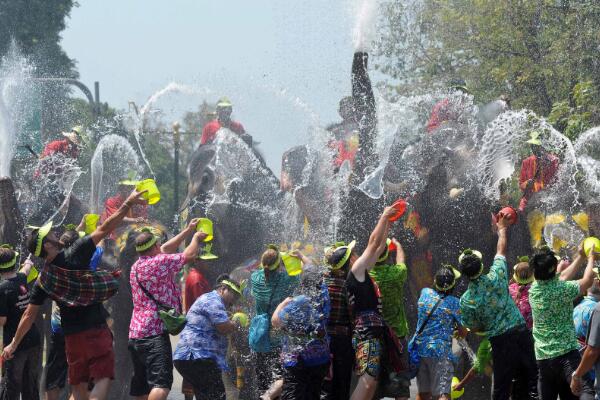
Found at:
(524, 272)
(470, 265)
(141, 239)
(69, 237)
(336, 256)
(444, 277)
(6, 255)
(221, 285)
(543, 263)
(269, 257)
(31, 242)
(594, 290)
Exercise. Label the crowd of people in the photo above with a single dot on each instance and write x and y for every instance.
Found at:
(308, 332)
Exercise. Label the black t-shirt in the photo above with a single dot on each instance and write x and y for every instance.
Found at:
(74, 319)
(362, 295)
(14, 298)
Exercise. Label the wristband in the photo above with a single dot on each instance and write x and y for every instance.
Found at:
(575, 377)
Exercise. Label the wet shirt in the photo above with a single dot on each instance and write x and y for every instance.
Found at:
(269, 294)
(436, 338)
(582, 314)
(340, 321)
(520, 295)
(487, 305)
(391, 279)
(210, 130)
(593, 339)
(14, 299)
(80, 318)
(304, 320)
(365, 303)
(157, 274)
(200, 338)
(552, 308)
(60, 147)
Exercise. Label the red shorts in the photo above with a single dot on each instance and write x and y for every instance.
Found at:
(90, 355)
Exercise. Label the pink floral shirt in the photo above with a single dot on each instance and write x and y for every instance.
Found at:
(157, 274)
(521, 298)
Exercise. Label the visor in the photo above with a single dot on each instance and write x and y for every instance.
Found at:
(239, 289)
(43, 231)
(12, 262)
(457, 275)
(277, 263)
(523, 281)
(349, 247)
(149, 243)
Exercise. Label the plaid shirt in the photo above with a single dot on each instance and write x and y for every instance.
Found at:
(77, 287)
(340, 322)
(157, 274)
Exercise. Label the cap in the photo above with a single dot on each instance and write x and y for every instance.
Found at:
(224, 102)
(534, 138)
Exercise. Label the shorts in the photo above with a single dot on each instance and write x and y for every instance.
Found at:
(90, 355)
(56, 363)
(368, 356)
(435, 376)
(205, 377)
(152, 364)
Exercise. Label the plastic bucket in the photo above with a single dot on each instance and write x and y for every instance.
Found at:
(91, 222)
(205, 225)
(293, 265)
(152, 196)
(456, 393)
(510, 213)
(400, 207)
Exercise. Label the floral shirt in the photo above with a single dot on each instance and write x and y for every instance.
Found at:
(520, 295)
(391, 280)
(200, 338)
(487, 306)
(436, 338)
(157, 274)
(552, 308)
(582, 315)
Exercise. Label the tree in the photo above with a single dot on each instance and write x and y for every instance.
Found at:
(536, 51)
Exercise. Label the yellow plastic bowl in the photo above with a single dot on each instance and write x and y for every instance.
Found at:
(205, 225)
(242, 317)
(456, 393)
(152, 196)
(293, 265)
(91, 222)
(590, 242)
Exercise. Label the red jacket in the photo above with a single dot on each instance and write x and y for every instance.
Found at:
(210, 130)
(439, 115)
(112, 204)
(60, 146)
(541, 177)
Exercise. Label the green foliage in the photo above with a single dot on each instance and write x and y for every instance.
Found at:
(534, 51)
(574, 120)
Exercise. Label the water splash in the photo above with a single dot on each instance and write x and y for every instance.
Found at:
(15, 74)
(365, 25)
(113, 160)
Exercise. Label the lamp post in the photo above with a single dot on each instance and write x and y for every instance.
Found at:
(176, 140)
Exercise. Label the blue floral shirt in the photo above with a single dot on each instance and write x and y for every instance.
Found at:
(304, 320)
(436, 339)
(487, 305)
(582, 315)
(200, 339)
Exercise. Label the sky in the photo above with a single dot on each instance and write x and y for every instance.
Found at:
(284, 63)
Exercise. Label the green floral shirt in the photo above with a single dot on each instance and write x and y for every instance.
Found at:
(552, 309)
(487, 306)
(391, 280)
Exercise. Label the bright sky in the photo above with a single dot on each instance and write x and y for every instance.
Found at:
(271, 57)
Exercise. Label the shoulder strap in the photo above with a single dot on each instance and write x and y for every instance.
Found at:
(424, 324)
(148, 294)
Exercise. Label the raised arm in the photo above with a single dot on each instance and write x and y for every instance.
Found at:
(115, 219)
(376, 245)
(172, 245)
(191, 251)
(588, 275)
(400, 255)
(502, 224)
(571, 270)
